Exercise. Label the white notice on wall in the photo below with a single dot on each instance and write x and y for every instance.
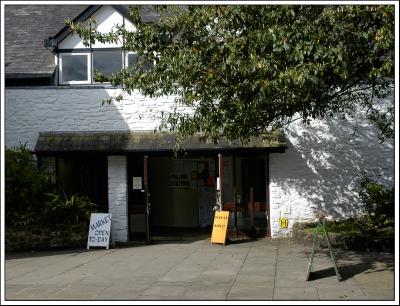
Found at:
(99, 230)
(137, 182)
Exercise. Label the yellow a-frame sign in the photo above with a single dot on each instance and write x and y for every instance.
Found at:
(220, 227)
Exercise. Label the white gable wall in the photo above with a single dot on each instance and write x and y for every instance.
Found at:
(72, 41)
(106, 18)
(129, 25)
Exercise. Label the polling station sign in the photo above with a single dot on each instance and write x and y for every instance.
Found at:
(99, 230)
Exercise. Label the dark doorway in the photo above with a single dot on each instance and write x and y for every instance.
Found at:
(84, 174)
(138, 198)
(254, 190)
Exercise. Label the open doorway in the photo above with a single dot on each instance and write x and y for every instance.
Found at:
(181, 197)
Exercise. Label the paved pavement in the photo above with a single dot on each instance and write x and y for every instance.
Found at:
(198, 270)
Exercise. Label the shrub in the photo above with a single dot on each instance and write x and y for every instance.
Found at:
(378, 204)
(25, 186)
(31, 197)
(61, 210)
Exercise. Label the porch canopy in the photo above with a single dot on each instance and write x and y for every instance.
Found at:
(143, 141)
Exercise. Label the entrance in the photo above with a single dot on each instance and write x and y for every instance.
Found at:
(181, 195)
(176, 196)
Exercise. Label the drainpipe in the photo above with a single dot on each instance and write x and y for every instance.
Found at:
(221, 182)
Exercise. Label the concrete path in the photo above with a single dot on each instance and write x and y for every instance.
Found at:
(197, 270)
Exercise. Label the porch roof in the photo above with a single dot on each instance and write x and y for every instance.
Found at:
(143, 141)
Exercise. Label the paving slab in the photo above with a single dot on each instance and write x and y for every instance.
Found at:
(375, 280)
(38, 293)
(341, 292)
(379, 294)
(250, 292)
(254, 280)
(78, 292)
(170, 290)
(260, 270)
(295, 294)
(202, 294)
(180, 276)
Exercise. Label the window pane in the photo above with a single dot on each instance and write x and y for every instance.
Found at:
(106, 62)
(74, 68)
(148, 66)
(132, 59)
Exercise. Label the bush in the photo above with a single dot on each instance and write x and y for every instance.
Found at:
(61, 210)
(31, 197)
(344, 227)
(378, 204)
(25, 186)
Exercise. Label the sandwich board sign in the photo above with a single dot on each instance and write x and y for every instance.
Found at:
(220, 227)
(99, 230)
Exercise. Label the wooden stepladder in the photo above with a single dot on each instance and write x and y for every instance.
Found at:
(321, 224)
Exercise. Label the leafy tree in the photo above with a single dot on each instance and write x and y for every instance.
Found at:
(248, 68)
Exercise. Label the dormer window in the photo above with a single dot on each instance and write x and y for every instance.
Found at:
(94, 67)
(75, 68)
(95, 62)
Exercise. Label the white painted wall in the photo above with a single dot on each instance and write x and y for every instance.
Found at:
(320, 168)
(34, 110)
(118, 197)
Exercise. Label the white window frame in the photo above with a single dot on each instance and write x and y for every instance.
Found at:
(89, 66)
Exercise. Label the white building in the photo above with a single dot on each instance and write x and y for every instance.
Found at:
(54, 105)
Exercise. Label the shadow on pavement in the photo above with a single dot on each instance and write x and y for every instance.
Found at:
(240, 240)
(350, 264)
(323, 273)
(40, 253)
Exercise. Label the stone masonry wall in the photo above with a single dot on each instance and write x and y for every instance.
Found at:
(24, 238)
(117, 197)
(29, 111)
(322, 165)
(321, 168)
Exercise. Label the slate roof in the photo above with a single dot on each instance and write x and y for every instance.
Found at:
(125, 141)
(26, 27)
